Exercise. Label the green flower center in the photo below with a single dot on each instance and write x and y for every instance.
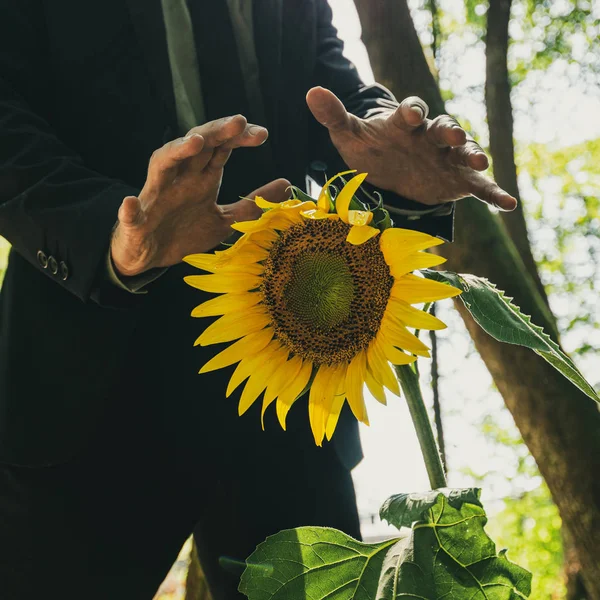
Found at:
(320, 290)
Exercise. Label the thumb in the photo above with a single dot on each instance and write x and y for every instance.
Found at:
(130, 211)
(246, 209)
(328, 109)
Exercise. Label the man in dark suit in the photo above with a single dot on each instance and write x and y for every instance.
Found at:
(112, 448)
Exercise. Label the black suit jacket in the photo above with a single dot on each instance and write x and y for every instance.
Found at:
(85, 98)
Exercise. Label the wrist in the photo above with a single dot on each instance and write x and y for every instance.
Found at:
(129, 254)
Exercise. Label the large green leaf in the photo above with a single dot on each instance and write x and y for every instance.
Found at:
(504, 321)
(446, 554)
(403, 510)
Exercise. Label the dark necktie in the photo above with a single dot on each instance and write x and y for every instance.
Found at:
(224, 94)
(218, 62)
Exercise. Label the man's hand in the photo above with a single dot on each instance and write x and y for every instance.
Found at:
(429, 161)
(176, 213)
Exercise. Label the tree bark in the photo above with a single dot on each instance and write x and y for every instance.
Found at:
(501, 127)
(559, 424)
(501, 131)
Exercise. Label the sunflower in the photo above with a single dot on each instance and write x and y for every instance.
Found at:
(315, 297)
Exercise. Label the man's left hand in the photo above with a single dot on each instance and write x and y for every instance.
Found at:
(428, 161)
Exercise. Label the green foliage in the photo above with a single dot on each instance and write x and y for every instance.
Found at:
(527, 520)
(504, 321)
(530, 523)
(564, 217)
(446, 554)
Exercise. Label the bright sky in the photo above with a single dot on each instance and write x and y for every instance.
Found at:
(563, 115)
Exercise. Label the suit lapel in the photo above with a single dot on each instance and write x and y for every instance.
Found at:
(267, 41)
(148, 22)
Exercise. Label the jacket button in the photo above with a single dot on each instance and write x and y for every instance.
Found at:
(52, 265)
(64, 270)
(42, 259)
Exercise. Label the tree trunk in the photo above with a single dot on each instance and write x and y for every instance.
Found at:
(501, 130)
(500, 121)
(559, 424)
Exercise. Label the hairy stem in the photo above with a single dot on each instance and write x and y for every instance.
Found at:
(409, 381)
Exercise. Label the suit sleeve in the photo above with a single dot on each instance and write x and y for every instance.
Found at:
(335, 72)
(54, 210)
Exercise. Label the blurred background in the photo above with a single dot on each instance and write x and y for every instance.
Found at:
(523, 77)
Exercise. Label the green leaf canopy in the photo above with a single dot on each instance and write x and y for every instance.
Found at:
(445, 554)
(504, 321)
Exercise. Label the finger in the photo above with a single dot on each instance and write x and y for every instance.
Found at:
(219, 158)
(444, 131)
(164, 160)
(489, 191)
(234, 131)
(246, 209)
(274, 191)
(411, 113)
(130, 211)
(328, 109)
(253, 135)
(471, 155)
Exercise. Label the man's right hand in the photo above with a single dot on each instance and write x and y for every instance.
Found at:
(176, 213)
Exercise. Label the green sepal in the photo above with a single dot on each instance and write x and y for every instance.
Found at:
(298, 194)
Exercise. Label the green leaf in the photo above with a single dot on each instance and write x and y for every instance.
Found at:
(504, 321)
(446, 555)
(403, 510)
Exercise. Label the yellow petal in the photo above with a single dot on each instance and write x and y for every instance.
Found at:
(323, 201)
(259, 379)
(247, 346)
(355, 380)
(317, 213)
(316, 403)
(334, 416)
(375, 387)
(262, 239)
(290, 394)
(247, 252)
(380, 368)
(233, 326)
(322, 396)
(275, 219)
(339, 380)
(281, 374)
(359, 217)
(342, 202)
(206, 262)
(399, 336)
(411, 316)
(248, 365)
(359, 234)
(226, 303)
(390, 349)
(225, 283)
(412, 262)
(414, 290)
(278, 383)
(396, 243)
(262, 203)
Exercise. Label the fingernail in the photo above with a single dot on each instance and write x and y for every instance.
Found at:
(255, 129)
(416, 108)
(189, 136)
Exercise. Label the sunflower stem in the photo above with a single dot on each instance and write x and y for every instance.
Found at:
(409, 380)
